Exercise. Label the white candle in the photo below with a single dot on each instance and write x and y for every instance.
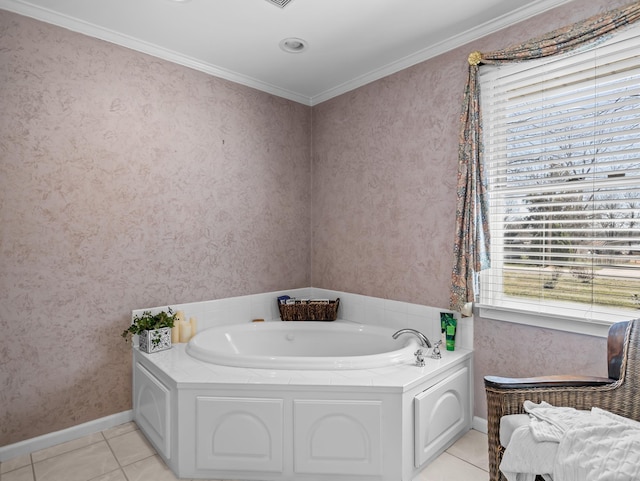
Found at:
(175, 333)
(194, 326)
(175, 330)
(185, 331)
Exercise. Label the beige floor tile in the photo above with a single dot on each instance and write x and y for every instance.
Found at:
(15, 463)
(79, 465)
(152, 468)
(119, 430)
(117, 475)
(473, 448)
(58, 449)
(24, 473)
(131, 447)
(92, 459)
(449, 468)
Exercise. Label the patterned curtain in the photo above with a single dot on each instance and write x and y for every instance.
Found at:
(471, 248)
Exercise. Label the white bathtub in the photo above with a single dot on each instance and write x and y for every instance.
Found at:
(302, 345)
(213, 421)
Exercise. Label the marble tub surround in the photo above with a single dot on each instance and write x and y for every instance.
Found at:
(196, 414)
(190, 407)
(353, 307)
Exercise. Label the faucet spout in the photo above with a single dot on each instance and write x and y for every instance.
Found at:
(424, 342)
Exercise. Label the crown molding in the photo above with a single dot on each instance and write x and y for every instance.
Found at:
(111, 36)
(49, 16)
(451, 43)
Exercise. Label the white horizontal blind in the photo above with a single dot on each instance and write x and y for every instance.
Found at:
(562, 159)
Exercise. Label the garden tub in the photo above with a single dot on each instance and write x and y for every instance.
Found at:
(302, 345)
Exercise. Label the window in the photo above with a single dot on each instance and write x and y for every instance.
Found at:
(562, 162)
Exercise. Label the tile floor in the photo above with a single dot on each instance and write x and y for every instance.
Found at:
(123, 454)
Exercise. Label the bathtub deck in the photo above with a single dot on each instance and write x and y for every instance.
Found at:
(218, 422)
(185, 372)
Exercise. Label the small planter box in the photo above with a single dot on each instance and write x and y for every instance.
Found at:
(156, 340)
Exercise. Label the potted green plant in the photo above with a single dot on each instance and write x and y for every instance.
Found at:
(153, 330)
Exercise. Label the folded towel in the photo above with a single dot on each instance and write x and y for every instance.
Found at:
(525, 457)
(549, 423)
(574, 445)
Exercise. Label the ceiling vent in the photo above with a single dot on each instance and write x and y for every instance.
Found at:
(280, 3)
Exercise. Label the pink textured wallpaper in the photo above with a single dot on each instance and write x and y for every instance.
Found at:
(384, 168)
(384, 180)
(127, 181)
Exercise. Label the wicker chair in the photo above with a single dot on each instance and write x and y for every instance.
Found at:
(619, 393)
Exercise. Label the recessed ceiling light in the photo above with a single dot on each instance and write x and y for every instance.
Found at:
(293, 45)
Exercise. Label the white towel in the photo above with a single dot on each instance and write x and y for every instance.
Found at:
(526, 456)
(577, 445)
(606, 449)
(549, 423)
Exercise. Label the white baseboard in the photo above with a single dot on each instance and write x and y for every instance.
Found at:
(47, 440)
(479, 424)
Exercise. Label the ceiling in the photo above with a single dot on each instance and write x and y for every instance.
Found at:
(349, 42)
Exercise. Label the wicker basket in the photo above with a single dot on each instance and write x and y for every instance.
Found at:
(309, 311)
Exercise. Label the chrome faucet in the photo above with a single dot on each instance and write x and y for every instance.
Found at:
(424, 342)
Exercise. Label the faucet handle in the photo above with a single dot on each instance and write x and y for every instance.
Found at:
(419, 357)
(436, 354)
